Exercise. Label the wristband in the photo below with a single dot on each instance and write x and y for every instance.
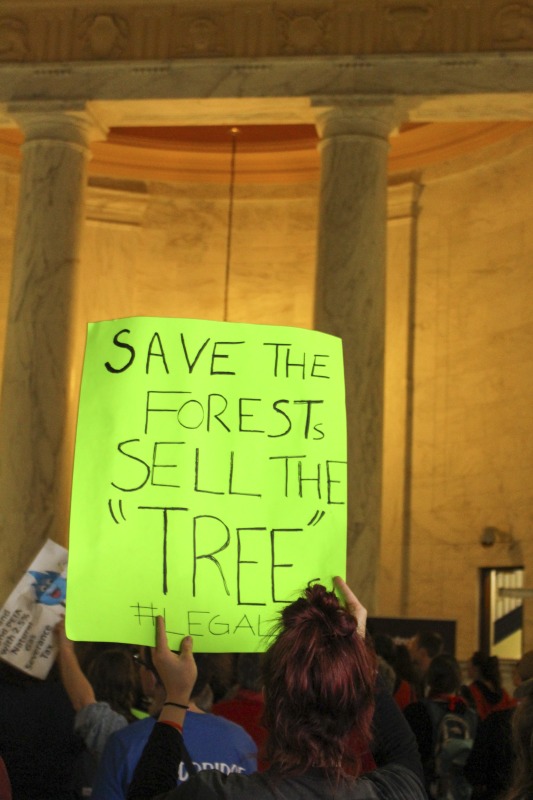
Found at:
(172, 724)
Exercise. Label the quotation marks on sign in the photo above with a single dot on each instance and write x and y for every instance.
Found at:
(315, 519)
(110, 506)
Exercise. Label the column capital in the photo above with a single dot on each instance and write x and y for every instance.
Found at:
(71, 123)
(361, 116)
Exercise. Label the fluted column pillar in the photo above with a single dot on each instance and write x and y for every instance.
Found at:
(34, 465)
(350, 296)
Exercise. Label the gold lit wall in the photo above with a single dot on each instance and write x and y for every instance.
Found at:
(458, 444)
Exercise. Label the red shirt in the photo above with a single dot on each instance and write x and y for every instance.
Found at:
(405, 694)
(488, 701)
(246, 709)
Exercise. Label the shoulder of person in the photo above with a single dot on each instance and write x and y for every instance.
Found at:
(99, 712)
(218, 785)
(393, 782)
(225, 726)
(139, 730)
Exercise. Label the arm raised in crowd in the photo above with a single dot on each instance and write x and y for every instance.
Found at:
(157, 767)
(393, 739)
(76, 684)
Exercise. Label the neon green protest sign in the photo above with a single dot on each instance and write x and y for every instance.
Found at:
(209, 479)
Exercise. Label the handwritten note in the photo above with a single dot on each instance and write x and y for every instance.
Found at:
(209, 480)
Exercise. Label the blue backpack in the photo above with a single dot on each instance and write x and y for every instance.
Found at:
(454, 729)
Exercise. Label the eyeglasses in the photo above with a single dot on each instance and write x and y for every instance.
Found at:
(139, 661)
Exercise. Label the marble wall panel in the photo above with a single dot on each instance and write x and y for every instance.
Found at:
(472, 451)
(174, 261)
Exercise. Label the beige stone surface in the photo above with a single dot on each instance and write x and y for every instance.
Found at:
(472, 444)
(159, 249)
(457, 444)
(176, 256)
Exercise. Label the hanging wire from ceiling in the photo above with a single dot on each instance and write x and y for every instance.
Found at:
(234, 132)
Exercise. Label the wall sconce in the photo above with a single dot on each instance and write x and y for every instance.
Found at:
(491, 536)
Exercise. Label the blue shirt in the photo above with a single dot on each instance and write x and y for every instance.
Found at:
(213, 743)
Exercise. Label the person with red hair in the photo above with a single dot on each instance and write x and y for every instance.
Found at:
(319, 680)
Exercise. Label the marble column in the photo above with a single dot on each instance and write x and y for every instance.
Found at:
(36, 403)
(350, 298)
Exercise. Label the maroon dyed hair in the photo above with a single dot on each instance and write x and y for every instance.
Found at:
(319, 678)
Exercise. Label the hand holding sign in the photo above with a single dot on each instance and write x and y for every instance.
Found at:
(31, 611)
(353, 605)
(177, 672)
(209, 480)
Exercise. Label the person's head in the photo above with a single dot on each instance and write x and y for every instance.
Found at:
(202, 694)
(443, 675)
(385, 647)
(403, 663)
(487, 669)
(426, 645)
(112, 675)
(224, 678)
(319, 677)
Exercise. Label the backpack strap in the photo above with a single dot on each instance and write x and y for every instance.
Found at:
(436, 712)
(472, 718)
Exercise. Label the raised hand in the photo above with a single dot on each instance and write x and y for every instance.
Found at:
(353, 605)
(178, 672)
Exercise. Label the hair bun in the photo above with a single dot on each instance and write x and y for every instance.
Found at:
(321, 609)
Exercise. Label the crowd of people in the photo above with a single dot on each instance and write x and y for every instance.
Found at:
(329, 711)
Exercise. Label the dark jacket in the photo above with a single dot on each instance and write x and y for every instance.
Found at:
(397, 777)
(490, 764)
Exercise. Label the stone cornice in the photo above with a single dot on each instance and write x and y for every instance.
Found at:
(492, 86)
(124, 30)
(243, 62)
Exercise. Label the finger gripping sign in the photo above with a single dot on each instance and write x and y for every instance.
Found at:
(209, 479)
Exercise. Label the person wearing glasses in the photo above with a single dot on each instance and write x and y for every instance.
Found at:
(213, 742)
